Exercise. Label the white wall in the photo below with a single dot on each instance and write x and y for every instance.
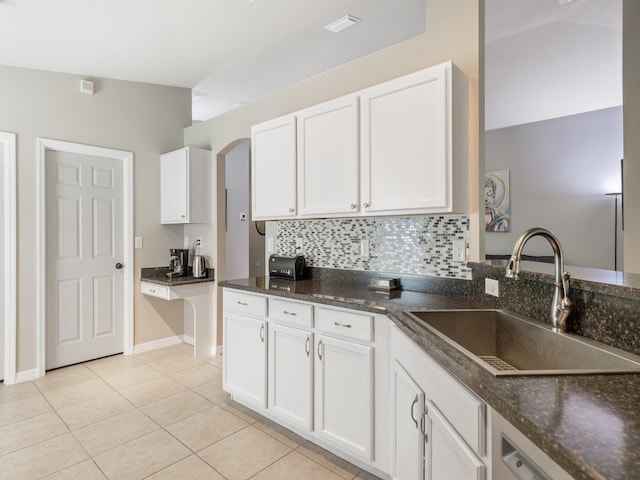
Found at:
(237, 185)
(145, 119)
(560, 170)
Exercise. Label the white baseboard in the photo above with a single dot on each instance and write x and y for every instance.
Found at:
(219, 350)
(187, 339)
(27, 375)
(155, 344)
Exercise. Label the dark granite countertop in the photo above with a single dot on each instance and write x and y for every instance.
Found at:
(588, 424)
(159, 276)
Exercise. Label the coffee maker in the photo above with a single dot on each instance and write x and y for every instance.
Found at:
(179, 263)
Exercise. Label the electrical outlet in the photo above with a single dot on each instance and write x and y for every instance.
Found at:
(459, 250)
(364, 248)
(199, 242)
(270, 245)
(492, 287)
(299, 245)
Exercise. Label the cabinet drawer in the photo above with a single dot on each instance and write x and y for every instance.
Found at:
(345, 323)
(155, 290)
(299, 314)
(245, 303)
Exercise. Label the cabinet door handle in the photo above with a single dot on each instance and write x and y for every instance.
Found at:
(423, 422)
(242, 304)
(262, 333)
(183, 215)
(306, 345)
(352, 206)
(345, 325)
(291, 210)
(293, 314)
(320, 350)
(366, 204)
(413, 404)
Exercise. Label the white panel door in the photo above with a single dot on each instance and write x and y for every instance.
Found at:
(448, 456)
(174, 184)
(84, 250)
(328, 158)
(273, 169)
(244, 372)
(2, 259)
(344, 395)
(291, 375)
(405, 153)
(408, 439)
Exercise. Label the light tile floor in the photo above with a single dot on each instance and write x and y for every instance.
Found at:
(158, 415)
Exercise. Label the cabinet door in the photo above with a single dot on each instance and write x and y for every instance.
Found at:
(273, 169)
(291, 374)
(174, 181)
(448, 456)
(405, 135)
(344, 395)
(328, 158)
(245, 358)
(407, 408)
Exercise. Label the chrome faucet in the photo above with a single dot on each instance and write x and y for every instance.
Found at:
(561, 304)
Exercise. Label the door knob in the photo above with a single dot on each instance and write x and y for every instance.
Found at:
(119, 265)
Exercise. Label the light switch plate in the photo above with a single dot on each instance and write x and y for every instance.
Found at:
(459, 250)
(138, 242)
(492, 287)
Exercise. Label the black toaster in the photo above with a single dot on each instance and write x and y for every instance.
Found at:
(291, 268)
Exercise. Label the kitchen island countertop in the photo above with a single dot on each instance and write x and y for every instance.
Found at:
(588, 424)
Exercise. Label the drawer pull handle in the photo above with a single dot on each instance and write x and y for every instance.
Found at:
(306, 346)
(152, 290)
(345, 325)
(243, 304)
(262, 333)
(320, 350)
(413, 404)
(293, 314)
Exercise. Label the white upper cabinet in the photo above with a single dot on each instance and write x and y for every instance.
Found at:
(185, 186)
(400, 147)
(406, 143)
(273, 169)
(328, 158)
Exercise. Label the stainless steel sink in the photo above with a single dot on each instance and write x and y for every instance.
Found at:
(508, 344)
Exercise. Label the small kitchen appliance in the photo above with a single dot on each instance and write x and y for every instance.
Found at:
(199, 269)
(178, 265)
(291, 268)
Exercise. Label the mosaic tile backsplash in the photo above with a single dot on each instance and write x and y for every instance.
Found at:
(416, 245)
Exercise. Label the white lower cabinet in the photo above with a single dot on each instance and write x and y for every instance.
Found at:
(352, 382)
(244, 372)
(409, 439)
(344, 395)
(427, 446)
(291, 375)
(448, 456)
(245, 358)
